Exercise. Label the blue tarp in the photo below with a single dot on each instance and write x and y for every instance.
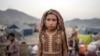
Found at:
(89, 30)
(27, 30)
(94, 30)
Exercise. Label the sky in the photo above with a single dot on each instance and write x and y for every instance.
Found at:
(69, 9)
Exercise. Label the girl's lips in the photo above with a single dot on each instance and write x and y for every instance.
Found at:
(51, 27)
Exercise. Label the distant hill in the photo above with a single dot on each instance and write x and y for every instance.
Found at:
(14, 16)
(92, 23)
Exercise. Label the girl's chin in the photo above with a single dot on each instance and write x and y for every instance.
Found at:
(51, 29)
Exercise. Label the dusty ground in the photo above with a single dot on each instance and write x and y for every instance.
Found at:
(32, 39)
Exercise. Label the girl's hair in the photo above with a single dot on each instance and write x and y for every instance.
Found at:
(60, 23)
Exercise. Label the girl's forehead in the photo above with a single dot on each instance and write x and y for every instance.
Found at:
(51, 15)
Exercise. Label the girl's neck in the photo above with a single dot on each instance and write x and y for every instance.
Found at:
(51, 32)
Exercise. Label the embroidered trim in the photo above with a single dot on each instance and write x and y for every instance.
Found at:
(43, 40)
(58, 40)
(50, 44)
(51, 52)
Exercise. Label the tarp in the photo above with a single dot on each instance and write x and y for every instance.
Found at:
(86, 38)
(24, 29)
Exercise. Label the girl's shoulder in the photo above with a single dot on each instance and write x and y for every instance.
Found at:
(60, 32)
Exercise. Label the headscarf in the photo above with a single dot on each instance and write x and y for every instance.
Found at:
(60, 24)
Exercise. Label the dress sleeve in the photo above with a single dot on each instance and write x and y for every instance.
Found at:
(64, 45)
(39, 53)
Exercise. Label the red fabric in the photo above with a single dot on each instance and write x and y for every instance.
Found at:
(82, 48)
(91, 54)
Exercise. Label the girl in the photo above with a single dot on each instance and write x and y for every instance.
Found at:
(52, 38)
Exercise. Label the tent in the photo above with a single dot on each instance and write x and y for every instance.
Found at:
(95, 30)
(24, 29)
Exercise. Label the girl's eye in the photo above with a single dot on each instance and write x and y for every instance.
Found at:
(54, 20)
(48, 19)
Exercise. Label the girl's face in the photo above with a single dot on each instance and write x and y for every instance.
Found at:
(51, 22)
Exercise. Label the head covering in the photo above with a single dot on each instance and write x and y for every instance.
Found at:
(60, 24)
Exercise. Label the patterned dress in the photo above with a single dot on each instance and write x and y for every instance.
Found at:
(54, 45)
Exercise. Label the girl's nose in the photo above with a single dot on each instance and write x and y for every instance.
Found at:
(50, 22)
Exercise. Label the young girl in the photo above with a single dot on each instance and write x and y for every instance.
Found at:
(52, 38)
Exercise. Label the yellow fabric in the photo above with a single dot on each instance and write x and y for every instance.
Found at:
(86, 38)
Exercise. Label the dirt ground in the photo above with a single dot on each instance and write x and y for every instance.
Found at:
(32, 39)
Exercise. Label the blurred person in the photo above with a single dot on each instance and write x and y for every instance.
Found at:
(52, 37)
(74, 42)
(13, 47)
